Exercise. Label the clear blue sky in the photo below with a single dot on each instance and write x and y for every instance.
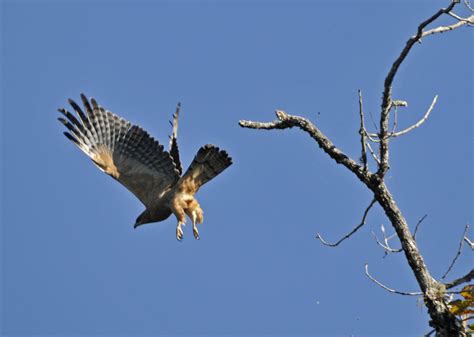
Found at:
(72, 264)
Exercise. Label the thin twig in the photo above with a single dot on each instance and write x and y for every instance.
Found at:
(373, 137)
(466, 278)
(467, 3)
(373, 153)
(348, 235)
(469, 20)
(387, 288)
(417, 124)
(385, 246)
(395, 113)
(373, 121)
(418, 224)
(362, 133)
(469, 242)
(457, 253)
(441, 29)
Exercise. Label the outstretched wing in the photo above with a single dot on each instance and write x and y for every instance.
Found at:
(174, 151)
(124, 151)
(207, 164)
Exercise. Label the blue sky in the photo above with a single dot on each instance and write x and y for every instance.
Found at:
(72, 264)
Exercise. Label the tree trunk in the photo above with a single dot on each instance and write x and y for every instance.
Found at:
(442, 320)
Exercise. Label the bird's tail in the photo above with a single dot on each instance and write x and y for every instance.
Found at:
(209, 162)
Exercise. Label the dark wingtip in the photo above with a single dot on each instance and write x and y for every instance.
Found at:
(94, 103)
(74, 105)
(85, 101)
(226, 155)
(230, 161)
(71, 138)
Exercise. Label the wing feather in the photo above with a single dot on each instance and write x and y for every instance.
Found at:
(174, 150)
(209, 162)
(88, 122)
(124, 151)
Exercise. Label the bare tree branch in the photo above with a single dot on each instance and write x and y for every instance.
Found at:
(395, 117)
(373, 120)
(288, 121)
(387, 288)
(444, 322)
(466, 278)
(386, 245)
(467, 3)
(373, 153)
(417, 124)
(362, 133)
(387, 93)
(418, 224)
(469, 242)
(399, 102)
(373, 137)
(469, 21)
(457, 253)
(348, 235)
(443, 29)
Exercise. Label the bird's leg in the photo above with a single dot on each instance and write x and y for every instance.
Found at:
(192, 215)
(181, 217)
(179, 230)
(195, 213)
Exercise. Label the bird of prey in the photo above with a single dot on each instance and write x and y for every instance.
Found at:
(131, 156)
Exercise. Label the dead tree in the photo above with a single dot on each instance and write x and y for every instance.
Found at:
(377, 146)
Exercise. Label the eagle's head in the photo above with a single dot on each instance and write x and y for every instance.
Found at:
(143, 218)
(149, 217)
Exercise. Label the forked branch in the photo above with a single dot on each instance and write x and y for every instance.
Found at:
(387, 92)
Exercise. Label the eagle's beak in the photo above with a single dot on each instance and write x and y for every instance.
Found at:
(136, 225)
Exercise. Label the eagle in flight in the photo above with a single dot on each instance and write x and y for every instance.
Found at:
(131, 156)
